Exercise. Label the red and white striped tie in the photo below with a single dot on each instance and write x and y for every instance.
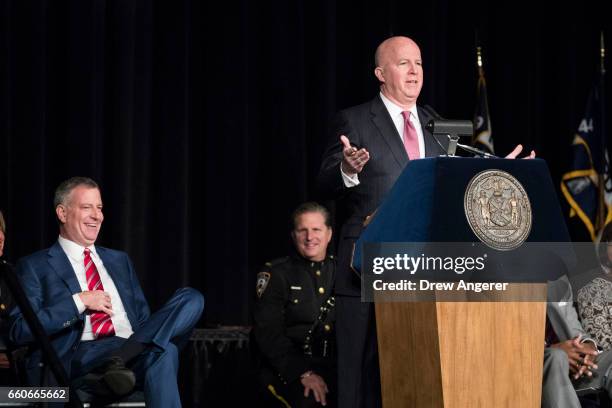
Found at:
(101, 323)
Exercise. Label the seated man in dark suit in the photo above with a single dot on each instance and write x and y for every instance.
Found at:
(90, 303)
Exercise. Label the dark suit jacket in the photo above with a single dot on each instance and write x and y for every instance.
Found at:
(369, 126)
(49, 283)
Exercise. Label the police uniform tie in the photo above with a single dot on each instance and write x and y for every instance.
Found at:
(101, 323)
(411, 139)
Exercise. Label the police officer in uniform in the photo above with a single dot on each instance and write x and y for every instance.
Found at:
(294, 316)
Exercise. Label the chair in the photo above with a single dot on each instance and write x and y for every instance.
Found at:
(17, 355)
(13, 375)
(42, 340)
(133, 400)
(595, 400)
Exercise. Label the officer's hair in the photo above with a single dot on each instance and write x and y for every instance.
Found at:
(65, 188)
(311, 207)
(2, 223)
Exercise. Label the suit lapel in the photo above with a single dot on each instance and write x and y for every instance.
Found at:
(61, 265)
(386, 128)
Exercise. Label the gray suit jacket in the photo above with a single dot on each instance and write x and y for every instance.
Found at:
(370, 126)
(561, 312)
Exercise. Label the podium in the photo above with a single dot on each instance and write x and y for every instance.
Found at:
(461, 353)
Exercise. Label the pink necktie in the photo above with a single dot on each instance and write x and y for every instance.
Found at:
(411, 140)
(101, 323)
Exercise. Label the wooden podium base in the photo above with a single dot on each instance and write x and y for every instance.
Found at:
(462, 354)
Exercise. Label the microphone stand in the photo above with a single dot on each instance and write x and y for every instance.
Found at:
(477, 152)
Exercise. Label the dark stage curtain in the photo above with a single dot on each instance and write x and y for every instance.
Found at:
(204, 122)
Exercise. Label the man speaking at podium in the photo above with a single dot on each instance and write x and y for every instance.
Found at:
(370, 146)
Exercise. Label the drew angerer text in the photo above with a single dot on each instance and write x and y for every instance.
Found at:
(424, 284)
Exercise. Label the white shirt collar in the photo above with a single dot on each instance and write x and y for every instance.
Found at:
(395, 110)
(73, 250)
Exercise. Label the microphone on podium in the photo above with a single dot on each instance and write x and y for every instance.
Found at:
(453, 129)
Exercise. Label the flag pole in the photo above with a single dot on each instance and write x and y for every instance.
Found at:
(479, 67)
(602, 52)
(607, 171)
(482, 118)
(479, 60)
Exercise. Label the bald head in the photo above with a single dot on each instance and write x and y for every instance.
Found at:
(388, 47)
(399, 70)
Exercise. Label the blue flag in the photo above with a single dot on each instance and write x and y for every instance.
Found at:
(583, 186)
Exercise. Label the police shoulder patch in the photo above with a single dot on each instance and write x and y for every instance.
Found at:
(262, 283)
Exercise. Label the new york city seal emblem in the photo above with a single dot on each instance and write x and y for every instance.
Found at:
(498, 209)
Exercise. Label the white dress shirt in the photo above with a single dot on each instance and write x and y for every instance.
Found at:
(75, 254)
(395, 112)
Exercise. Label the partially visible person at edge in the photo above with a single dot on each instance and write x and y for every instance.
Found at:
(595, 294)
(6, 299)
(294, 315)
(369, 147)
(2, 234)
(572, 359)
